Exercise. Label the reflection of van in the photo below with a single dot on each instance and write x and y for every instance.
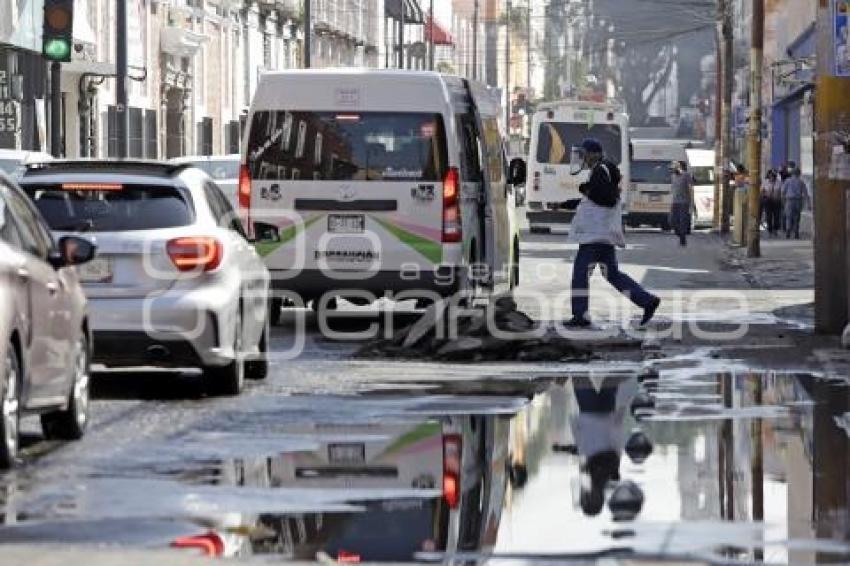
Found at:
(701, 165)
(384, 182)
(651, 181)
(556, 128)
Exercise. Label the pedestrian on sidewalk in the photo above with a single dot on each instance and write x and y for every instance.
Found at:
(772, 202)
(785, 173)
(598, 227)
(795, 194)
(682, 202)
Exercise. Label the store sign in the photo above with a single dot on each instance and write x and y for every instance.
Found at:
(841, 31)
(8, 107)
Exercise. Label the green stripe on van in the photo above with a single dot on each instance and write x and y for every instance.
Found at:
(288, 234)
(433, 251)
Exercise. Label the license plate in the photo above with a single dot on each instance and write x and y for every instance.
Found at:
(346, 223)
(98, 270)
(347, 453)
(654, 198)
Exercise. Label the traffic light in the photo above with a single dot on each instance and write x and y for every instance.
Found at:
(58, 34)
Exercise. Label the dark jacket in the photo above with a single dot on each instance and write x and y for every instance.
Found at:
(603, 187)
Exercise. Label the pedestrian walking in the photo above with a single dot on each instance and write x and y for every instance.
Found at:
(795, 194)
(772, 202)
(598, 227)
(682, 200)
(784, 174)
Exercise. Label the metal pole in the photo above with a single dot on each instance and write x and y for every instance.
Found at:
(508, 71)
(122, 118)
(401, 36)
(832, 106)
(528, 56)
(55, 109)
(726, 115)
(719, 166)
(754, 142)
(308, 34)
(475, 42)
(431, 36)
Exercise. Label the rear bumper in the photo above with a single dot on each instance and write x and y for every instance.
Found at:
(172, 329)
(550, 216)
(314, 283)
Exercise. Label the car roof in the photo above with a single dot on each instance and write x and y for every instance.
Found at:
(116, 171)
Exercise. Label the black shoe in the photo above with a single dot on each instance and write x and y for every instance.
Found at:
(578, 322)
(649, 311)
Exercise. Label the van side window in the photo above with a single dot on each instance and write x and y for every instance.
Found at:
(470, 162)
(493, 141)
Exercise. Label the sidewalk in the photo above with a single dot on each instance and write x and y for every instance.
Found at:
(784, 264)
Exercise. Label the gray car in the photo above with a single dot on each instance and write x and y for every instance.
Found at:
(45, 346)
(176, 283)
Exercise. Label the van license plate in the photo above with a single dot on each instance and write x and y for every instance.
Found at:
(346, 223)
(354, 453)
(98, 270)
(654, 198)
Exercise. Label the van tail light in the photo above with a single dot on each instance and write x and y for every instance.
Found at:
(210, 544)
(536, 183)
(452, 227)
(244, 197)
(195, 253)
(452, 447)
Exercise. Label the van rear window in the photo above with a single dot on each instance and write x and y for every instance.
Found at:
(654, 172)
(347, 146)
(555, 141)
(112, 208)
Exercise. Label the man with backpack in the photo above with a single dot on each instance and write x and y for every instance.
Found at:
(597, 228)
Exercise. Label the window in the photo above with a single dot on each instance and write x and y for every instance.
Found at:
(223, 212)
(555, 141)
(133, 207)
(33, 236)
(655, 172)
(493, 141)
(8, 230)
(471, 151)
(703, 175)
(334, 146)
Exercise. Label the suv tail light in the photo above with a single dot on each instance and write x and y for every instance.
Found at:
(210, 544)
(452, 447)
(195, 253)
(452, 227)
(244, 197)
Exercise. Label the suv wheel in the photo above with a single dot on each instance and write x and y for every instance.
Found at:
(258, 366)
(70, 423)
(10, 404)
(229, 379)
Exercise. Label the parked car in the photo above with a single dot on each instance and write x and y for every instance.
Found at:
(12, 160)
(224, 170)
(45, 345)
(176, 284)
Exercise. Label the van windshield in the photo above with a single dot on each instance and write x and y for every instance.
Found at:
(703, 175)
(654, 172)
(555, 141)
(347, 146)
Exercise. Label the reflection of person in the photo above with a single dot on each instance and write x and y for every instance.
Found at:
(600, 435)
(597, 227)
(682, 200)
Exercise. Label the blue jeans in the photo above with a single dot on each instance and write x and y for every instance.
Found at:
(793, 210)
(606, 255)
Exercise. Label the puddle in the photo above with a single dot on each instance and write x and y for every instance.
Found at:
(723, 468)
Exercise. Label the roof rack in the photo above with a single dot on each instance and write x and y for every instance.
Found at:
(136, 165)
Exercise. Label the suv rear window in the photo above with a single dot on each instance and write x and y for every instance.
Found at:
(115, 209)
(555, 141)
(347, 146)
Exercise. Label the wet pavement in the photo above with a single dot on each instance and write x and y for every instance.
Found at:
(715, 468)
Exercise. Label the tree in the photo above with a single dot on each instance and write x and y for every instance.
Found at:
(643, 73)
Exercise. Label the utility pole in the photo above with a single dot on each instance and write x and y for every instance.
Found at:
(725, 7)
(431, 36)
(754, 142)
(475, 41)
(308, 34)
(508, 70)
(122, 116)
(718, 130)
(528, 56)
(832, 180)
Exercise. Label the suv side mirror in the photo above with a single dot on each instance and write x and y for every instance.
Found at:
(517, 172)
(72, 250)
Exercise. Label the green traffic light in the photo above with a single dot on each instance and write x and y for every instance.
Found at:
(57, 49)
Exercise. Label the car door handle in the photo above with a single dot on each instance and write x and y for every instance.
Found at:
(52, 287)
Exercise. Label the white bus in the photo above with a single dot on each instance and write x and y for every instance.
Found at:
(368, 183)
(557, 127)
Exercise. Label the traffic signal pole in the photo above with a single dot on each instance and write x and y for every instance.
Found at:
(122, 117)
(55, 109)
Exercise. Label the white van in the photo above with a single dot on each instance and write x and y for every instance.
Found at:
(366, 183)
(557, 127)
(701, 165)
(652, 181)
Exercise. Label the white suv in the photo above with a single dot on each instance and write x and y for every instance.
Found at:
(176, 282)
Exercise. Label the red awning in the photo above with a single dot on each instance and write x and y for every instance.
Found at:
(441, 36)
